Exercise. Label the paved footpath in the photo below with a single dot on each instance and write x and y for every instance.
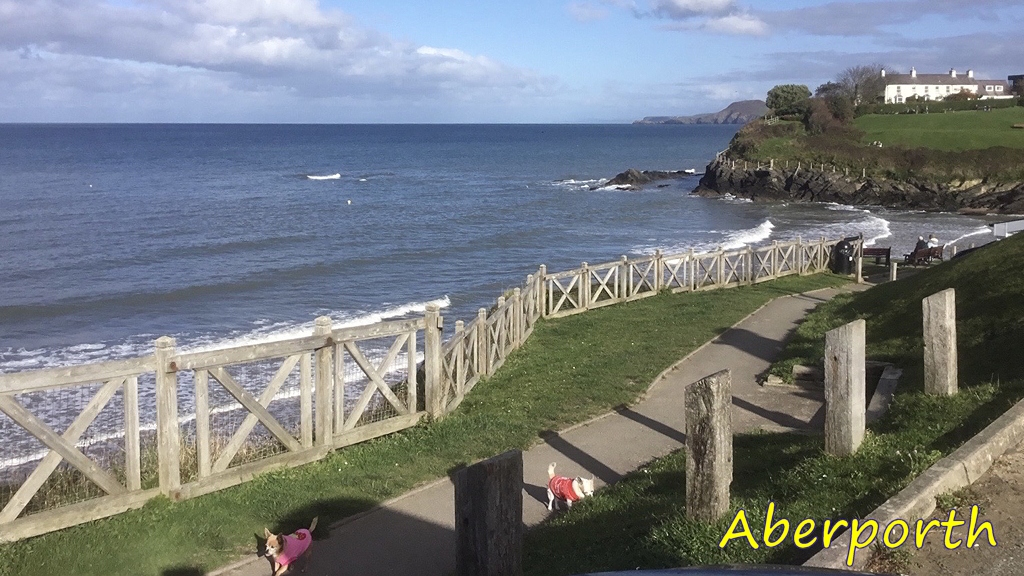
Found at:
(414, 534)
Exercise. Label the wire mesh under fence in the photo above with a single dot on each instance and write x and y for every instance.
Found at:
(240, 413)
(378, 379)
(75, 443)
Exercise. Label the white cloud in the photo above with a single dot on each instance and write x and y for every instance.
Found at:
(685, 9)
(737, 24)
(250, 46)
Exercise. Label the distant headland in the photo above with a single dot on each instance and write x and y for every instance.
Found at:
(736, 113)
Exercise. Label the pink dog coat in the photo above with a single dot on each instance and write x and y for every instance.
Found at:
(561, 487)
(294, 546)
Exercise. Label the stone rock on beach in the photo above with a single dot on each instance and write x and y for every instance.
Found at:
(635, 179)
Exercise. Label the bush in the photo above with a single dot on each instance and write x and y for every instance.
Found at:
(931, 106)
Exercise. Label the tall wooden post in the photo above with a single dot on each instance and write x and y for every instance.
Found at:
(585, 286)
(482, 343)
(708, 447)
(659, 283)
(489, 517)
(892, 270)
(940, 361)
(434, 394)
(542, 292)
(322, 425)
(517, 318)
(623, 278)
(168, 437)
(460, 360)
(845, 395)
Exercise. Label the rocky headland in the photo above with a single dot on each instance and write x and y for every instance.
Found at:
(736, 113)
(775, 183)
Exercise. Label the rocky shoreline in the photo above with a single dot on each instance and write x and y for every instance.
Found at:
(805, 185)
(633, 179)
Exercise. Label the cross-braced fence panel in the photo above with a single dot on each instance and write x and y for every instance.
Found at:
(705, 271)
(643, 277)
(763, 263)
(676, 273)
(786, 259)
(69, 443)
(733, 268)
(564, 293)
(605, 284)
(377, 379)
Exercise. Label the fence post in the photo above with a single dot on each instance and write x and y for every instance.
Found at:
(168, 437)
(433, 394)
(691, 263)
(952, 251)
(720, 267)
(483, 343)
(940, 361)
(801, 263)
(324, 383)
(775, 259)
(584, 286)
(460, 360)
(771, 164)
(748, 264)
(658, 272)
(845, 401)
(708, 447)
(541, 292)
(892, 270)
(517, 317)
(623, 278)
(489, 517)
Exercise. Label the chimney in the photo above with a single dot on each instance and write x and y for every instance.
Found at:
(913, 72)
(952, 72)
(970, 74)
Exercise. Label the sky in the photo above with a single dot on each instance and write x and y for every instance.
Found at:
(466, 61)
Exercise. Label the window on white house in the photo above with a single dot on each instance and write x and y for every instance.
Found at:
(999, 88)
(989, 88)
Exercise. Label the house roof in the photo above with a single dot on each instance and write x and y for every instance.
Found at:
(932, 79)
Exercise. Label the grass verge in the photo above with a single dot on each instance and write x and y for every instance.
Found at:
(641, 521)
(570, 369)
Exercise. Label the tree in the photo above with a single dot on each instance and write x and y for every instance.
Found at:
(784, 97)
(829, 89)
(1018, 87)
(863, 83)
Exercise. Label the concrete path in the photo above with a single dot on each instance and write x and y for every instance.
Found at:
(414, 534)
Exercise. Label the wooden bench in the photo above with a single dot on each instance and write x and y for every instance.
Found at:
(878, 254)
(925, 255)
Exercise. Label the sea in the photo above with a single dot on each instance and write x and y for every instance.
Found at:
(112, 235)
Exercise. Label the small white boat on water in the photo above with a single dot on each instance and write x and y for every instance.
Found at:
(690, 171)
(336, 176)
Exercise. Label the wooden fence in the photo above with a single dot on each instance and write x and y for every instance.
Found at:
(372, 376)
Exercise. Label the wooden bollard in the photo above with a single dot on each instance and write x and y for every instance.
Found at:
(845, 401)
(892, 271)
(940, 362)
(708, 447)
(489, 517)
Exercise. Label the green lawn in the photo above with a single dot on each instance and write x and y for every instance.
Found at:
(966, 130)
(641, 522)
(571, 369)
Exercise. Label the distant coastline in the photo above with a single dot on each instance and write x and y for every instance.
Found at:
(740, 112)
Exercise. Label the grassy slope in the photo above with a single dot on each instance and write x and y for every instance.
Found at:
(569, 370)
(641, 522)
(951, 131)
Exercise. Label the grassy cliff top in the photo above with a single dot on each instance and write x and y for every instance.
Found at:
(942, 147)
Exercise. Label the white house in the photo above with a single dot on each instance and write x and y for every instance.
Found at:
(900, 87)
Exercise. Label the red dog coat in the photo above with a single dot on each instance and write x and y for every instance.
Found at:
(561, 487)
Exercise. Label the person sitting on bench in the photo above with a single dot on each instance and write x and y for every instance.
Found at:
(921, 244)
(933, 242)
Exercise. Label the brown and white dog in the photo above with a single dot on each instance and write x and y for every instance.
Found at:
(568, 490)
(285, 549)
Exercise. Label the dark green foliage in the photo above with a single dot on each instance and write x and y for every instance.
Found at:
(784, 97)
